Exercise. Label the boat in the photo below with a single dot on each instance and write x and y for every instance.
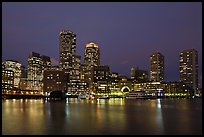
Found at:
(83, 96)
(138, 95)
(104, 97)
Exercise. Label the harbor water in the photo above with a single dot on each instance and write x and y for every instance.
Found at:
(114, 116)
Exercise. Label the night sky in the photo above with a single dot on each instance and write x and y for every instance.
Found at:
(127, 33)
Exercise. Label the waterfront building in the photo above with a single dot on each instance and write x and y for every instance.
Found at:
(114, 83)
(7, 80)
(15, 66)
(100, 77)
(76, 84)
(157, 67)
(154, 88)
(188, 68)
(148, 86)
(168, 89)
(176, 89)
(125, 84)
(55, 79)
(91, 59)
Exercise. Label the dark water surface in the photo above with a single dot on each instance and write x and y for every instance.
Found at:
(113, 116)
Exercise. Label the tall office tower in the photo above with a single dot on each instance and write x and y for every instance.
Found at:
(132, 73)
(36, 66)
(67, 50)
(157, 67)
(46, 62)
(15, 66)
(188, 68)
(34, 71)
(91, 59)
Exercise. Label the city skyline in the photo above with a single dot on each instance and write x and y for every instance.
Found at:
(110, 55)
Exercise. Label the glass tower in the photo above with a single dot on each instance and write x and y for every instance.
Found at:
(157, 67)
(188, 68)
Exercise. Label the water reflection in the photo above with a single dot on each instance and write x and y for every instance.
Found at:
(104, 116)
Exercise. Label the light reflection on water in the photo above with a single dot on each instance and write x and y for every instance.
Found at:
(113, 116)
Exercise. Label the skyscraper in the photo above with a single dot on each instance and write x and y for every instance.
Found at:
(157, 67)
(91, 59)
(67, 50)
(188, 68)
(36, 66)
(34, 71)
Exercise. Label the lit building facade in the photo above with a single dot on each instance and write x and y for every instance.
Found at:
(15, 66)
(76, 84)
(177, 89)
(188, 68)
(119, 85)
(34, 72)
(152, 88)
(67, 51)
(82, 72)
(7, 80)
(69, 62)
(100, 77)
(114, 82)
(36, 66)
(76, 68)
(91, 59)
(54, 79)
(157, 67)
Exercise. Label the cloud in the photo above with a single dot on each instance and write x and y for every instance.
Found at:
(54, 62)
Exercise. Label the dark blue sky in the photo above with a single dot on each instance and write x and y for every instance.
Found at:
(127, 33)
